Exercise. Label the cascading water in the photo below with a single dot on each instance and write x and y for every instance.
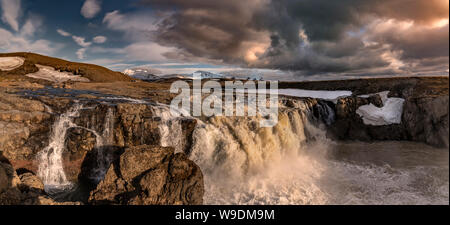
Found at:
(294, 163)
(104, 141)
(246, 164)
(170, 130)
(51, 169)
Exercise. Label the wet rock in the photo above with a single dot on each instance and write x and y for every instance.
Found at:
(188, 126)
(30, 182)
(151, 175)
(79, 143)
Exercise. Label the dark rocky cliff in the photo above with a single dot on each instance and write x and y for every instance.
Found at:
(424, 119)
(105, 136)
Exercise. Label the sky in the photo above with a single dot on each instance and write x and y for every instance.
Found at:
(296, 38)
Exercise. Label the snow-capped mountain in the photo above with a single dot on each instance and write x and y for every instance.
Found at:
(206, 75)
(142, 73)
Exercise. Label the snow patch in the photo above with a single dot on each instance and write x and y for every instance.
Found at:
(50, 74)
(10, 63)
(391, 113)
(325, 95)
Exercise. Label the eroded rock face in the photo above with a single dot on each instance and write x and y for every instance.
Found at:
(346, 107)
(25, 125)
(151, 175)
(423, 120)
(79, 143)
(427, 120)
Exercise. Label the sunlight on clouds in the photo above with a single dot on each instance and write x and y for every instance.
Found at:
(253, 53)
(440, 23)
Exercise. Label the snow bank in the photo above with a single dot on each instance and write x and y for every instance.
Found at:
(325, 95)
(50, 74)
(391, 113)
(10, 63)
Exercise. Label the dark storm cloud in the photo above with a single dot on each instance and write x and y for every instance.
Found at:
(306, 35)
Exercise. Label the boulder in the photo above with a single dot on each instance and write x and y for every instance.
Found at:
(30, 182)
(151, 175)
(427, 120)
(137, 160)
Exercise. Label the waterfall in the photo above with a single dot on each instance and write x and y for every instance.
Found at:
(170, 129)
(51, 169)
(294, 163)
(326, 113)
(247, 164)
(244, 163)
(103, 142)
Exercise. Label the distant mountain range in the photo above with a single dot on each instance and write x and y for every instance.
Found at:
(150, 74)
(142, 73)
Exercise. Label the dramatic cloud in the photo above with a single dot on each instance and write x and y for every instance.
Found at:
(91, 8)
(310, 36)
(11, 13)
(99, 39)
(137, 26)
(139, 51)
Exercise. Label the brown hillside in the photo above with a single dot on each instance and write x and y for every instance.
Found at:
(92, 72)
